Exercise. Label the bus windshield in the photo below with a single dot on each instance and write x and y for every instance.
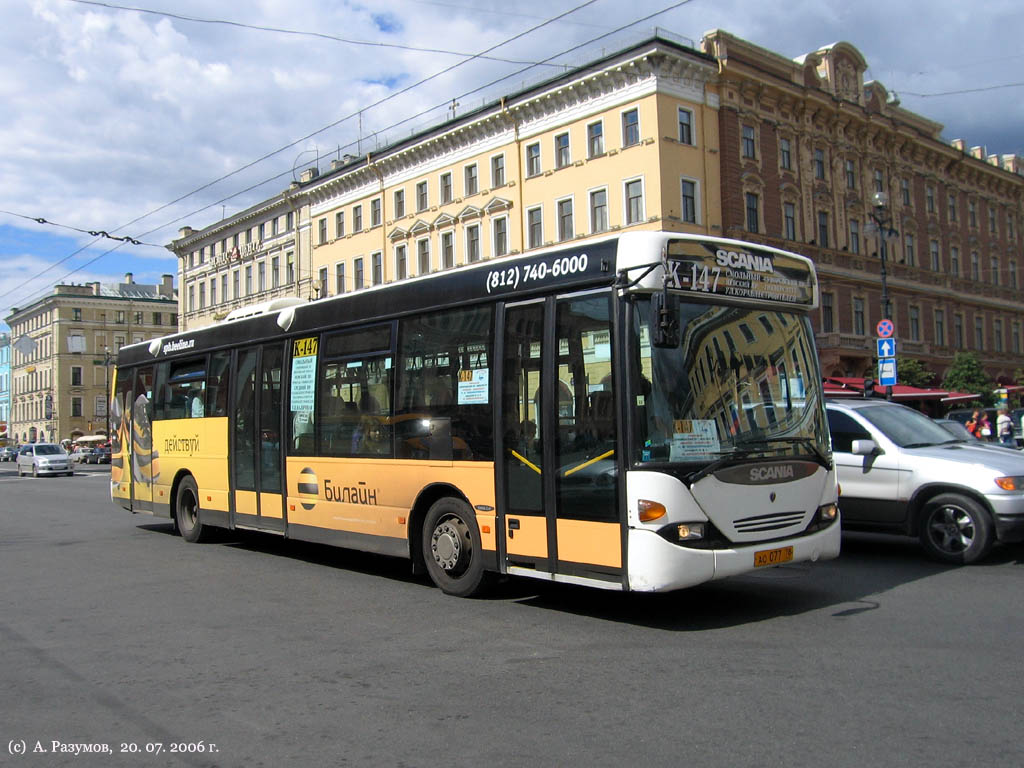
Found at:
(740, 381)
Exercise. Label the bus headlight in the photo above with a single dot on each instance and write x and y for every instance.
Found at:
(827, 513)
(690, 531)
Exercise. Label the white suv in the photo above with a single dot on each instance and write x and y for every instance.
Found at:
(901, 472)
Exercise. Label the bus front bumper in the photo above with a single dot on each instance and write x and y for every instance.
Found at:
(657, 565)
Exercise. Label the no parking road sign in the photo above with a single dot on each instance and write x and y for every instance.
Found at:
(885, 329)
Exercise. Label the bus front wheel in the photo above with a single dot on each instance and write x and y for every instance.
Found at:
(452, 548)
(186, 512)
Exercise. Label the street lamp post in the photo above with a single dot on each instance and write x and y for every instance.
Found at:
(881, 219)
(106, 381)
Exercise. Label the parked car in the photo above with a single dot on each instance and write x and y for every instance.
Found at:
(43, 459)
(7, 453)
(80, 454)
(960, 432)
(901, 472)
(99, 455)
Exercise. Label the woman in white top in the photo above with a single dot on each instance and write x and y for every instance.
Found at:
(1004, 428)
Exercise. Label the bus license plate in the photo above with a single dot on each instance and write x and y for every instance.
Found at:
(773, 556)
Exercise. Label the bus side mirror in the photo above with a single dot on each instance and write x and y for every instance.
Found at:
(664, 325)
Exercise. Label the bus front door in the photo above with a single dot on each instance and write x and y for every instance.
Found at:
(559, 430)
(257, 500)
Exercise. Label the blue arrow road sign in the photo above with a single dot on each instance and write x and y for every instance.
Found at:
(886, 348)
(887, 372)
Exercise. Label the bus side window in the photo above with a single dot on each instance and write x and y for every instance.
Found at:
(217, 384)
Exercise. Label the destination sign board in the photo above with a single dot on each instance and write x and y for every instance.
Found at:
(742, 272)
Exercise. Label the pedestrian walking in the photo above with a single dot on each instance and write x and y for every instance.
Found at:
(1004, 428)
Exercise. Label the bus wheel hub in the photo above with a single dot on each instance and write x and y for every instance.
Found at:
(446, 545)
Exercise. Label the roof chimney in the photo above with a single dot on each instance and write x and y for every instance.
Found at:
(167, 286)
(129, 278)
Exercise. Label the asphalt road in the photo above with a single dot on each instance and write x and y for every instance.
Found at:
(117, 634)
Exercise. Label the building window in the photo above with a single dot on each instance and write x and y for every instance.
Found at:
(595, 139)
(323, 231)
(375, 218)
(630, 127)
(500, 228)
(471, 180)
(1012, 267)
(879, 180)
(975, 266)
(858, 316)
(748, 142)
(401, 263)
(940, 327)
(991, 219)
(138, 318)
(423, 256)
(689, 201)
(634, 201)
(202, 295)
(929, 198)
(979, 334)
(76, 375)
(972, 214)
(905, 191)
(446, 188)
(533, 159)
(819, 163)
(261, 276)
(248, 280)
(827, 310)
(158, 317)
(785, 154)
(273, 228)
(599, 210)
(357, 274)
(399, 203)
(854, 236)
(192, 298)
(224, 288)
(997, 335)
(1015, 332)
(851, 174)
(275, 274)
(952, 206)
(562, 158)
(789, 220)
(535, 227)
(909, 255)
(213, 292)
(377, 268)
(958, 331)
(339, 224)
(76, 313)
(993, 270)
(289, 265)
(823, 229)
(752, 214)
(565, 226)
(421, 196)
(447, 250)
(321, 283)
(933, 251)
(685, 126)
(76, 407)
(915, 324)
(339, 278)
(357, 218)
(472, 243)
(498, 171)
(954, 261)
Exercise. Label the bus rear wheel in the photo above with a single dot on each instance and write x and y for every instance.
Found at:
(452, 548)
(186, 512)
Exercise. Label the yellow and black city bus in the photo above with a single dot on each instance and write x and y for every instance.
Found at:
(639, 412)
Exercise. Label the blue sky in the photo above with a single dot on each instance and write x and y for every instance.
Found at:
(108, 115)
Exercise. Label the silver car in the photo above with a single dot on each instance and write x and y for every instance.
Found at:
(43, 459)
(901, 472)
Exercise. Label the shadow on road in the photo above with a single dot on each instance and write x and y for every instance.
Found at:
(870, 565)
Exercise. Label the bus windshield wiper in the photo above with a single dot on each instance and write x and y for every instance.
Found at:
(807, 442)
(707, 469)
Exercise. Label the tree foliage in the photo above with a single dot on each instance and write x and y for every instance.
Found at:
(966, 374)
(910, 370)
